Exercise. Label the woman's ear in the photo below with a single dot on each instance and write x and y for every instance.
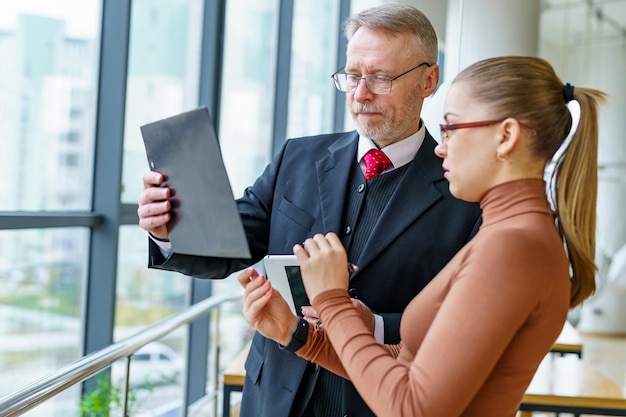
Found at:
(510, 131)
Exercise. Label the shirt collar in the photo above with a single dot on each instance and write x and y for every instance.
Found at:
(400, 153)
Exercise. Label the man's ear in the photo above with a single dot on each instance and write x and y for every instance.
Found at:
(430, 80)
(509, 134)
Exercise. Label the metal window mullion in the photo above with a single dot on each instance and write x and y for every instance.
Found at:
(283, 71)
(99, 300)
(211, 67)
(342, 44)
(48, 219)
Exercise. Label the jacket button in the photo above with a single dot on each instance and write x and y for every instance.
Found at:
(353, 292)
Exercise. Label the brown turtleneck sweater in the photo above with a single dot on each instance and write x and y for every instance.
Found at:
(474, 337)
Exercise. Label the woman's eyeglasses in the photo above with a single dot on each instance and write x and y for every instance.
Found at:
(445, 129)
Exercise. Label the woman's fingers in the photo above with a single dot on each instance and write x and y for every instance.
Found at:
(255, 288)
(246, 276)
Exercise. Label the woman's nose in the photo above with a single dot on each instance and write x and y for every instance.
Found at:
(441, 149)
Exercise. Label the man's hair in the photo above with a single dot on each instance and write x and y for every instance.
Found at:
(393, 19)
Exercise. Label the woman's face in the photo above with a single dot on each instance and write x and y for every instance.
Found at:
(469, 154)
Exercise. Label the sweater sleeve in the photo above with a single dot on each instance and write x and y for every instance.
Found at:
(318, 347)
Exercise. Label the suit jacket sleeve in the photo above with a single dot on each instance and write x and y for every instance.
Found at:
(255, 210)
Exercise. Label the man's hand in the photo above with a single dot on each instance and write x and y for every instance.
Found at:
(310, 314)
(265, 309)
(154, 206)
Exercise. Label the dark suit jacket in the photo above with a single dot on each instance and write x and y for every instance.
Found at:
(302, 192)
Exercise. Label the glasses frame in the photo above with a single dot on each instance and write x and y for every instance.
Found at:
(446, 128)
(390, 79)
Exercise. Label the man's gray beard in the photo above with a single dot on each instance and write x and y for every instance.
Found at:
(379, 135)
(388, 131)
(374, 133)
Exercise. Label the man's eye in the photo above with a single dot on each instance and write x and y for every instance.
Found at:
(380, 79)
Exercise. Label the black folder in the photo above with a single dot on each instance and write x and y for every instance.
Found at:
(205, 220)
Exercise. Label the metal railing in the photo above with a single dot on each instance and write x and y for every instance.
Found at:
(19, 402)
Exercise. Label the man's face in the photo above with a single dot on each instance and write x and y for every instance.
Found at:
(387, 118)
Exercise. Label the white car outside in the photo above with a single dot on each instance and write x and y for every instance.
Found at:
(153, 364)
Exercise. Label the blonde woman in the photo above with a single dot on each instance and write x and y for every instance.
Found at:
(474, 337)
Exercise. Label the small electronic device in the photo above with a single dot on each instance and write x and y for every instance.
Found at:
(283, 271)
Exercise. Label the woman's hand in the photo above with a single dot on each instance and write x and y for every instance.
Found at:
(323, 264)
(265, 309)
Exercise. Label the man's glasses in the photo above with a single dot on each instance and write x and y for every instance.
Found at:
(445, 129)
(377, 84)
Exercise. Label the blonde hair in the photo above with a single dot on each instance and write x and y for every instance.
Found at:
(528, 89)
(393, 19)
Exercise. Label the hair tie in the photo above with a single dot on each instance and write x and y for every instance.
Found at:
(568, 92)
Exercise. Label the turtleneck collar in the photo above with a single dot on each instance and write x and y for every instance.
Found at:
(514, 198)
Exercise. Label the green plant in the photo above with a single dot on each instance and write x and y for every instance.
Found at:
(106, 399)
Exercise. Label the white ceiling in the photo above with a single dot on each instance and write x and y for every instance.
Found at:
(561, 20)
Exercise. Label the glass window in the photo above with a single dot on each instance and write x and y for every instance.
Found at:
(245, 128)
(313, 59)
(48, 87)
(41, 275)
(143, 297)
(163, 75)
(245, 131)
(163, 80)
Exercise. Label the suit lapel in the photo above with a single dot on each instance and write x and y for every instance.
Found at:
(333, 173)
(415, 194)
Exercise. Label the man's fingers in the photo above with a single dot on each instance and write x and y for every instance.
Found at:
(309, 311)
(313, 320)
(153, 194)
(152, 178)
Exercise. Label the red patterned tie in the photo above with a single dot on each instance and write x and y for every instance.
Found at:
(375, 163)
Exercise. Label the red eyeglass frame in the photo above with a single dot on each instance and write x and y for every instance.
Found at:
(445, 128)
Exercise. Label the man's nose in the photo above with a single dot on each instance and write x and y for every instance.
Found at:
(362, 93)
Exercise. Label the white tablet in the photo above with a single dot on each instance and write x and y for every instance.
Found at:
(283, 271)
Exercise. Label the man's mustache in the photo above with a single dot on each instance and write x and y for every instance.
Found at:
(359, 108)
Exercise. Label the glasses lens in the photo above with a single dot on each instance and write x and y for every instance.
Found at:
(343, 83)
(348, 83)
(378, 84)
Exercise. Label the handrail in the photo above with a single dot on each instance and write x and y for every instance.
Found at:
(28, 397)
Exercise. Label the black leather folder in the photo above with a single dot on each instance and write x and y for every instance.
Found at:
(205, 220)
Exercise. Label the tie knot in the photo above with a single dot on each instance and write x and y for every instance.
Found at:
(375, 163)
